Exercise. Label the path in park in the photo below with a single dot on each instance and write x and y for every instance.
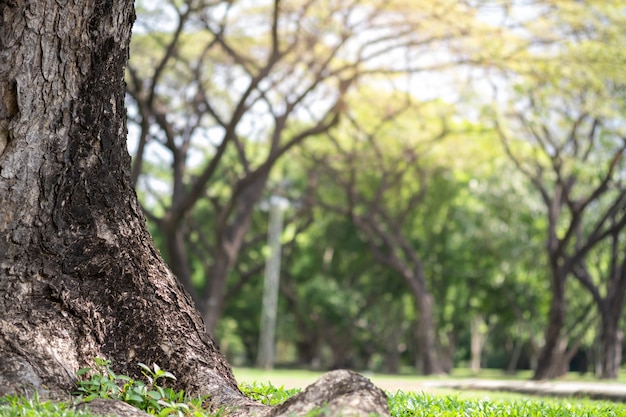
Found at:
(593, 390)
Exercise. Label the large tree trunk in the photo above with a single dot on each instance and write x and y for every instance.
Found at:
(79, 274)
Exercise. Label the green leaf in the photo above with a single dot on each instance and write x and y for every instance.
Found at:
(166, 412)
(169, 375)
(154, 394)
(134, 397)
(82, 371)
(145, 367)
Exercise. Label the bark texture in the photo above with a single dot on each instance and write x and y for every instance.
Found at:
(79, 274)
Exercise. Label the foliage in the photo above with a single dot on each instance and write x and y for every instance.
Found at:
(267, 393)
(148, 396)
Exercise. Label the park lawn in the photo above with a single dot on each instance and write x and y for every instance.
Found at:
(411, 404)
(424, 404)
(442, 401)
(269, 387)
(297, 378)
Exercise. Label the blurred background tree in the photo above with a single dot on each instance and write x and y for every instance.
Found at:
(563, 129)
(453, 171)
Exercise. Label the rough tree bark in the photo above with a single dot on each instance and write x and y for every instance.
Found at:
(79, 274)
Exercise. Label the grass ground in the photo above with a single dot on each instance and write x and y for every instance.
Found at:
(293, 378)
(393, 384)
(274, 387)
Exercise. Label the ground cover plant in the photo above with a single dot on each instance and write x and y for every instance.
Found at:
(14, 406)
(147, 395)
(153, 398)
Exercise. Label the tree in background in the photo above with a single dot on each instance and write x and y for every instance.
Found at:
(233, 86)
(377, 165)
(574, 161)
(420, 187)
(564, 134)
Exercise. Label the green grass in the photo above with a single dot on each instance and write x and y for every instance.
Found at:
(448, 402)
(12, 406)
(256, 384)
(422, 404)
(299, 377)
(402, 404)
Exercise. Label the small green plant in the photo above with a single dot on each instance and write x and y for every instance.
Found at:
(148, 396)
(102, 383)
(270, 395)
(267, 393)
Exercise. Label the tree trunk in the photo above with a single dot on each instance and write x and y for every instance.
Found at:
(214, 300)
(511, 367)
(79, 274)
(611, 309)
(446, 351)
(611, 338)
(428, 360)
(549, 363)
(177, 258)
(478, 337)
(229, 237)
